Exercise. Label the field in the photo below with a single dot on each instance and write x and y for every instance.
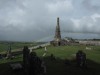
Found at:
(4, 46)
(58, 66)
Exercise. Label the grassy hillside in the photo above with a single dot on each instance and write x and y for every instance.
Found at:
(62, 53)
(68, 52)
(58, 66)
(15, 45)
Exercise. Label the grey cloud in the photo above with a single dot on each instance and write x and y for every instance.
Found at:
(29, 20)
(91, 6)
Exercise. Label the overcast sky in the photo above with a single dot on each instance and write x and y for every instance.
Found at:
(34, 20)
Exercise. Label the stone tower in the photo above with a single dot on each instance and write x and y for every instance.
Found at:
(57, 33)
(58, 41)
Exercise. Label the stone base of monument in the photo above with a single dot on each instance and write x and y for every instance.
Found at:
(16, 66)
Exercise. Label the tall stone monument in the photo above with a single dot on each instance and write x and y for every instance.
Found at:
(57, 39)
(57, 32)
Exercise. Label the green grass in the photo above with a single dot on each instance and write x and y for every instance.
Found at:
(4, 46)
(16, 59)
(57, 67)
(68, 52)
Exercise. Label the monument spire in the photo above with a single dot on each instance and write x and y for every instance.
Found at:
(57, 32)
(57, 38)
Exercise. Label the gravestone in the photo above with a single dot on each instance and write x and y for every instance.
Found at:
(32, 64)
(37, 66)
(52, 57)
(9, 55)
(32, 61)
(0, 56)
(81, 59)
(26, 64)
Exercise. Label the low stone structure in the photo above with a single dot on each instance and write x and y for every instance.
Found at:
(90, 42)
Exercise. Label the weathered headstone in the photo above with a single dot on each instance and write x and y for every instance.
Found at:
(81, 59)
(32, 63)
(0, 56)
(37, 67)
(26, 64)
(9, 55)
(52, 57)
(43, 67)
